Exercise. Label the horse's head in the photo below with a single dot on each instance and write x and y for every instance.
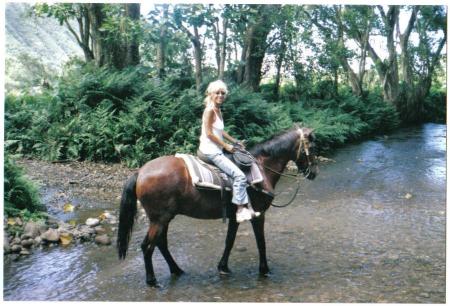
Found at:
(305, 155)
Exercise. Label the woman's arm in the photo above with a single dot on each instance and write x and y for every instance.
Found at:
(228, 137)
(209, 120)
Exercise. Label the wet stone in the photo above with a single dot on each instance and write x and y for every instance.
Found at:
(92, 222)
(99, 230)
(25, 237)
(241, 249)
(51, 235)
(25, 252)
(16, 248)
(27, 242)
(38, 240)
(103, 240)
(31, 229)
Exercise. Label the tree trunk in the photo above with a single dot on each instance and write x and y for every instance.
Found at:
(133, 12)
(355, 82)
(198, 59)
(161, 51)
(279, 64)
(223, 49)
(391, 80)
(96, 17)
(256, 46)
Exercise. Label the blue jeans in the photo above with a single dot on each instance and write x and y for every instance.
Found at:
(240, 195)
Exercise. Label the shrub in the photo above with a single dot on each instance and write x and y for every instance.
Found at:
(435, 109)
(19, 192)
(125, 116)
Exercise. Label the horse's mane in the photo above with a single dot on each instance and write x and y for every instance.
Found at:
(278, 144)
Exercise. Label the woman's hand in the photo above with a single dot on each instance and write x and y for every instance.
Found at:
(240, 144)
(228, 148)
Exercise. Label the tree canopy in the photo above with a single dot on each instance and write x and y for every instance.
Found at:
(398, 49)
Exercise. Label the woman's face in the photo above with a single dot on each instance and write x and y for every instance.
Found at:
(218, 96)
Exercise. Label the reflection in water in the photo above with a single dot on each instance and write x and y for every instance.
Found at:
(350, 236)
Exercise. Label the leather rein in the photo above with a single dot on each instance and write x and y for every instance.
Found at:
(303, 143)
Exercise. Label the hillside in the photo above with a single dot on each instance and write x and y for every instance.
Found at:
(34, 47)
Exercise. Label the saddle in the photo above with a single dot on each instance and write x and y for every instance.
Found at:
(207, 176)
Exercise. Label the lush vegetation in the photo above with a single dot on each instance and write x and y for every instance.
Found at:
(138, 92)
(21, 197)
(112, 116)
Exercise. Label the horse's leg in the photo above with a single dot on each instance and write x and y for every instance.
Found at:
(231, 236)
(148, 246)
(258, 229)
(162, 245)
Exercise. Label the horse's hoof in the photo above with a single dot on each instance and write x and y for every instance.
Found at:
(265, 273)
(153, 283)
(224, 271)
(178, 272)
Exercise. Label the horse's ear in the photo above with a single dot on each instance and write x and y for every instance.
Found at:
(298, 125)
(308, 131)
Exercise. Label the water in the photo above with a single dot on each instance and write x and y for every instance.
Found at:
(370, 228)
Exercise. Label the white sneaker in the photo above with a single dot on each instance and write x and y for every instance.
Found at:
(255, 214)
(243, 214)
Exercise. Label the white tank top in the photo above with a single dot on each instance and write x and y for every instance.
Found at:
(207, 146)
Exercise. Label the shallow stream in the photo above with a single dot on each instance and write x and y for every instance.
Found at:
(370, 228)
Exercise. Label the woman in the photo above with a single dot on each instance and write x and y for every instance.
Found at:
(212, 143)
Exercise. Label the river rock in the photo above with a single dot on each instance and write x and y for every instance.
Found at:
(38, 240)
(16, 241)
(25, 237)
(27, 242)
(32, 229)
(66, 238)
(100, 230)
(103, 239)
(63, 226)
(51, 235)
(25, 252)
(92, 222)
(16, 248)
(6, 245)
(18, 221)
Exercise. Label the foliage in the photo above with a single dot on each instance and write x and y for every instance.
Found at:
(21, 197)
(435, 106)
(112, 116)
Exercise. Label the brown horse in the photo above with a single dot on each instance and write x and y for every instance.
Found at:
(164, 188)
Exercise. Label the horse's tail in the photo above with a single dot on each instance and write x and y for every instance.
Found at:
(128, 209)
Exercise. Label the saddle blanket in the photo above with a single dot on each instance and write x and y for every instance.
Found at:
(209, 176)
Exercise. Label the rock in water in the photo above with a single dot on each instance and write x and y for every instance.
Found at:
(92, 222)
(27, 243)
(6, 245)
(31, 229)
(66, 238)
(103, 240)
(16, 248)
(51, 235)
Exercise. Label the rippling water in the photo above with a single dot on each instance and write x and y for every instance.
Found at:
(351, 236)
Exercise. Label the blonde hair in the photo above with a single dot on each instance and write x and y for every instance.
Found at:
(214, 87)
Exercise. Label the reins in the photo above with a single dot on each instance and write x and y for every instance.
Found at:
(302, 143)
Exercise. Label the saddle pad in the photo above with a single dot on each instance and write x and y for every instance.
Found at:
(209, 176)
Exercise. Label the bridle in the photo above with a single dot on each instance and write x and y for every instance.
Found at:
(303, 143)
